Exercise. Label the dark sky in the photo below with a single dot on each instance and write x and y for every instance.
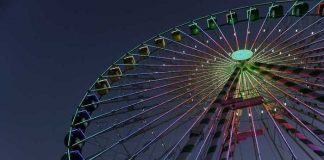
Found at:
(52, 50)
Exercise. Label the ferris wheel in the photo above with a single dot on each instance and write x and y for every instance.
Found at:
(245, 83)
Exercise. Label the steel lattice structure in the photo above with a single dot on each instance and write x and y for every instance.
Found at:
(245, 83)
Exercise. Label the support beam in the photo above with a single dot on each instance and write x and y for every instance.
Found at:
(239, 103)
(247, 134)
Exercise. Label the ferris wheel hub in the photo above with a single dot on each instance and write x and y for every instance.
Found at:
(242, 54)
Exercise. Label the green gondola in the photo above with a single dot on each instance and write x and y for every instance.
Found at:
(231, 18)
(252, 14)
(276, 11)
(300, 9)
(211, 23)
(194, 29)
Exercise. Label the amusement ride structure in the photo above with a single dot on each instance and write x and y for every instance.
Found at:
(245, 83)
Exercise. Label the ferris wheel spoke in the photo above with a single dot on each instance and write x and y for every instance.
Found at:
(309, 117)
(307, 61)
(256, 143)
(309, 82)
(315, 57)
(166, 129)
(291, 114)
(154, 80)
(176, 127)
(319, 63)
(142, 91)
(292, 70)
(294, 133)
(177, 82)
(218, 53)
(286, 41)
(172, 150)
(201, 74)
(176, 59)
(212, 148)
(230, 145)
(257, 49)
(133, 133)
(318, 131)
(215, 42)
(295, 99)
(306, 14)
(235, 33)
(226, 115)
(195, 132)
(165, 67)
(291, 85)
(186, 54)
(160, 104)
(154, 65)
(266, 108)
(272, 137)
(289, 54)
(130, 106)
(247, 33)
(310, 39)
(258, 34)
(266, 123)
(174, 117)
(200, 51)
(221, 32)
(203, 81)
(151, 75)
(276, 56)
(268, 35)
(309, 64)
(208, 136)
(225, 146)
(161, 123)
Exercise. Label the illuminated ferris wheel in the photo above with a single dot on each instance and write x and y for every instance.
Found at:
(245, 83)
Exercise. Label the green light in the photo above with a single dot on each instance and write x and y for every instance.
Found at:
(242, 54)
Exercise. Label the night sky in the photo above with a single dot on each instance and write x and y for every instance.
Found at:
(52, 51)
